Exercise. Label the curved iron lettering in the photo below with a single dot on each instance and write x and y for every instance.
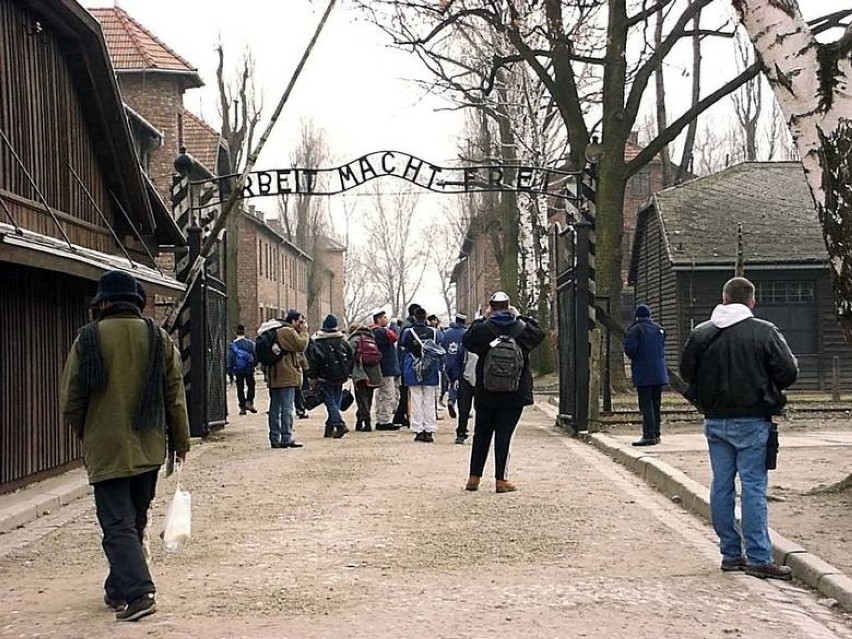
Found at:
(441, 179)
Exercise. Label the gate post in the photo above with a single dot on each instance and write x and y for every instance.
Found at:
(197, 377)
(583, 327)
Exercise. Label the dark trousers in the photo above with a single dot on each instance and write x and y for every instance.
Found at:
(464, 402)
(364, 400)
(245, 389)
(122, 510)
(401, 414)
(649, 403)
(500, 424)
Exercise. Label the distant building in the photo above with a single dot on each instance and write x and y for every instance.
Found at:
(685, 248)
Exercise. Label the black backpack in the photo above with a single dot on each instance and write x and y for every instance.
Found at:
(333, 361)
(267, 349)
(504, 362)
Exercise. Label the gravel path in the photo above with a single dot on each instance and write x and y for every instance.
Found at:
(373, 536)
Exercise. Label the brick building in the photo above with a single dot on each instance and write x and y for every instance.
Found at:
(271, 271)
(476, 274)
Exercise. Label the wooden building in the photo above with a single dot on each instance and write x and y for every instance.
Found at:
(74, 203)
(685, 249)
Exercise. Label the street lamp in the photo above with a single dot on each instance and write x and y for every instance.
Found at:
(594, 151)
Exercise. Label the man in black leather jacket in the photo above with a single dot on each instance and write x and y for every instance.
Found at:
(737, 366)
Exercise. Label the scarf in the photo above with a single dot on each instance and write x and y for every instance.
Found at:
(93, 374)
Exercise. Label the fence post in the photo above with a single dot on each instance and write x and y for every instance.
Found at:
(835, 378)
(582, 337)
(195, 390)
(596, 345)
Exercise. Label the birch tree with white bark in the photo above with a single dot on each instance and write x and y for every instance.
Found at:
(811, 81)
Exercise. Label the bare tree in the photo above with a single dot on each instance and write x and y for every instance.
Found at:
(240, 107)
(748, 100)
(305, 218)
(360, 292)
(442, 255)
(397, 248)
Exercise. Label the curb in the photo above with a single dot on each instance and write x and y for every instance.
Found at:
(42, 498)
(808, 568)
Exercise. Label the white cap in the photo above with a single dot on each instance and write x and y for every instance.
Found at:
(498, 298)
(377, 311)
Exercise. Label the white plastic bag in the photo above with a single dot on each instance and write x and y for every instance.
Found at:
(178, 525)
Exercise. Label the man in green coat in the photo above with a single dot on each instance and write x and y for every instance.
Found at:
(122, 393)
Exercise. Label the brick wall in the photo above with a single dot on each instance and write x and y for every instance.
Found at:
(159, 99)
(271, 274)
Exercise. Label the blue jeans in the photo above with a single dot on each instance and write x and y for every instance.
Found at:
(332, 394)
(281, 407)
(738, 446)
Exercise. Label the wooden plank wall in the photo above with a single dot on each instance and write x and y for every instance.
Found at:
(41, 114)
(40, 313)
(701, 291)
(656, 283)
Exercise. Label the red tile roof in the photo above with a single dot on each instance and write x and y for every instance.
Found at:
(202, 141)
(133, 47)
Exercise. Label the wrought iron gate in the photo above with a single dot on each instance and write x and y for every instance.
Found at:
(574, 248)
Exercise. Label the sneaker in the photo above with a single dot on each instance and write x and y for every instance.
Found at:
(250, 407)
(114, 604)
(387, 426)
(451, 409)
(769, 571)
(420, 437)
(301, 414)
(340, 430)
(429, 438)
(733, 565)
(329, 431)
(293, 444)
(138, 608)
(243, 411)
(278, 445)
(460, 440)
(658, 440)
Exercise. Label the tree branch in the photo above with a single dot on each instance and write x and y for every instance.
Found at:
(643, 15)
(674, 129)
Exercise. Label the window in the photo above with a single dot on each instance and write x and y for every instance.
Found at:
(791, 306)
(772, 293)
(640, 184)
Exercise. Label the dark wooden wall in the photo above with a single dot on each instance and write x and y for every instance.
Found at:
(701, 291)
(40, 313)
(656, 285)
(41, 114)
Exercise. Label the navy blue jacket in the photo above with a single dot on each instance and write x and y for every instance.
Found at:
(386, 340)
(645, 345)
(452, 343)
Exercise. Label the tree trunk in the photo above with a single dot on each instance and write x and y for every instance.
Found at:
(662, 114)
(810, 81)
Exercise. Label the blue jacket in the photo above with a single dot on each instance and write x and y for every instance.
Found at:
(452, 343)
(645, 345)
(409, 343)
(242, 344)
(386, 339)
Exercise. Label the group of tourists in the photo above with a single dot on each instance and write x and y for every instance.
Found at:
(400, 371)
(122, 393)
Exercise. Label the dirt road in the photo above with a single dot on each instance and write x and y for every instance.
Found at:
(373, 536)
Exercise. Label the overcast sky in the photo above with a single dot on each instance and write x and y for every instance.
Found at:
(354, 86)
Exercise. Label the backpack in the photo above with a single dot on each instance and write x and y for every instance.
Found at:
(243, 360)
(333, 361)
(266, 346)
(504, 361)
(367, 352)
(430, 360)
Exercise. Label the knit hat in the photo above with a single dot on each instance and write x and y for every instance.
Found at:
(643, 310)
(292, 315)
(329, 324)
(117, 286)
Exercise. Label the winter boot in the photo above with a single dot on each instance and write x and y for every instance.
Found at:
(368, 427)
(504, 486)
(329, 430)
(340, 430)
(472, 483)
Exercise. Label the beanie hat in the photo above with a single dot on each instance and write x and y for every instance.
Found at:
(142, 294)
(292, 315)
(329, 324)
(117, 286)
(643, 310)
